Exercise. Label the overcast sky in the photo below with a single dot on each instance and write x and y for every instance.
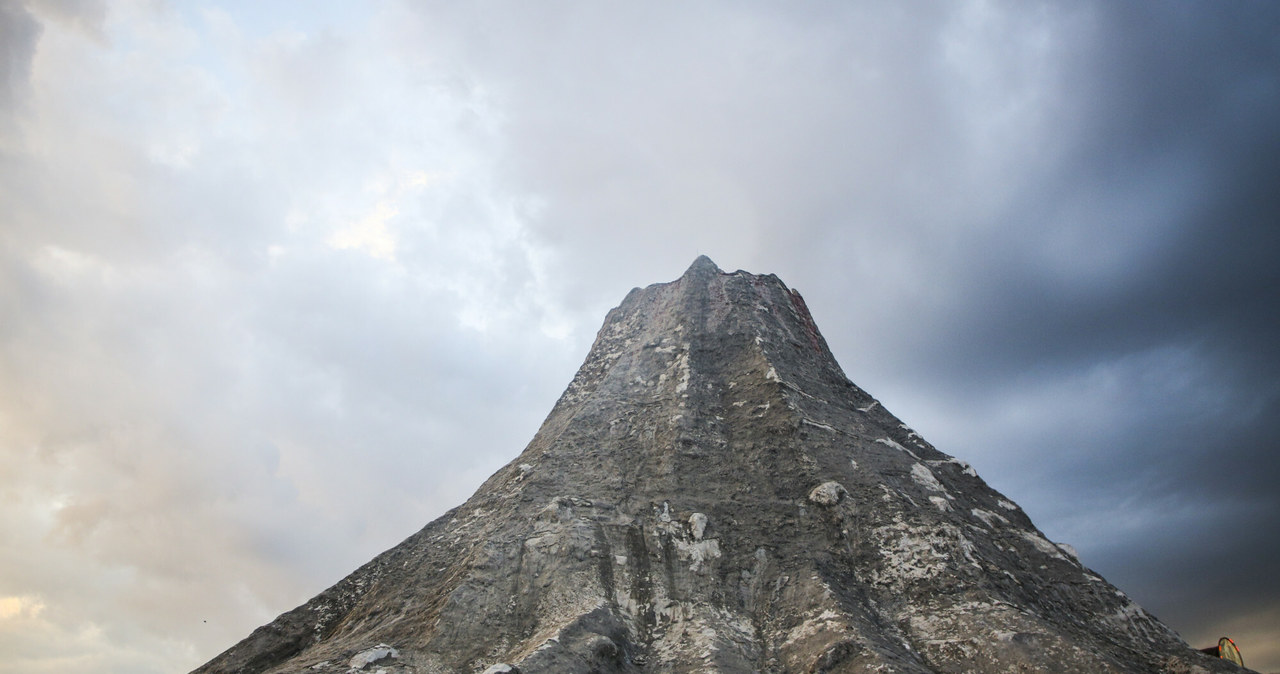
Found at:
(282, 282)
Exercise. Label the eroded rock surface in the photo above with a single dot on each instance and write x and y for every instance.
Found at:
(712, 494)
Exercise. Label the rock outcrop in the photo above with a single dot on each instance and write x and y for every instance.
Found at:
(711, 493)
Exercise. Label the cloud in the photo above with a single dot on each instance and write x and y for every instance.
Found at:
(288, 285)
(20, 607)
(19, 32)
(204, 402)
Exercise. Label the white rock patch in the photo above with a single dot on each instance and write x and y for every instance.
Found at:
(682, 364)
(890, 443)
(697, 525)
(828, 493)
(925, 478)
(827, 620)
(913, 553)
(1070, 550)
(964, 466)
(698, 552)
(1043, 545)
(369, 656)
(989, 518)
(815, 424)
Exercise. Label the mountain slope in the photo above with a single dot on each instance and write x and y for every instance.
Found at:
(711, 493)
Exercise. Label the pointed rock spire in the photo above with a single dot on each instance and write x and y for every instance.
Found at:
(702, 265)
(711, 493)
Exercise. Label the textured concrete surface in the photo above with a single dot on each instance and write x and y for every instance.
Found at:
(712, 494)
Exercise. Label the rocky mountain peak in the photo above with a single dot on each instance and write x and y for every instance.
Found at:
(702, 265)
(711, 493)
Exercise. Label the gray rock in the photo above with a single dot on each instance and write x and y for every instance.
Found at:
(665, 518)
(828, 493)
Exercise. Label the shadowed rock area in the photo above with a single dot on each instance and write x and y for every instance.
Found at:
(712, 494)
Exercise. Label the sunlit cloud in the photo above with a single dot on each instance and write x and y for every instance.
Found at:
(371, 234)
(20, 607)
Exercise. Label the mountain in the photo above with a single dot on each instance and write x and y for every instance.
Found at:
(712, 494)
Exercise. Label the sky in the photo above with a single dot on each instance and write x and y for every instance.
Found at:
(282, 282)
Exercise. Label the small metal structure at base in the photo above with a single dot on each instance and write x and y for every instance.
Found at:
(1226, 649)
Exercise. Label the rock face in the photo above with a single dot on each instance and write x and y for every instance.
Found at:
(712, 494)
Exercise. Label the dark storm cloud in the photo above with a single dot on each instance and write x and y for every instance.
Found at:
(1170, 194)
(1170, 199)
